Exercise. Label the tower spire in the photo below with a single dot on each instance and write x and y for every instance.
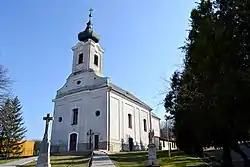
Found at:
(90, 13)
(88, 33)
(89, 24)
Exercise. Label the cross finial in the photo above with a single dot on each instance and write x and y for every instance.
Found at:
(90, 13)
(48, 118)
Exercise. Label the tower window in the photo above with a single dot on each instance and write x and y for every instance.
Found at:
(96, 60)
(75, 116)
(78, 82)
(97, 113)
(60, 119)
(145, 125)
(130, 121)
(80, 58)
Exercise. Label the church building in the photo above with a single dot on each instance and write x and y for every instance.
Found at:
(91, 112)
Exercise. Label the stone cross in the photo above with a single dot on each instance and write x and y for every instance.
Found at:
(47, 119)
(44, 153)
(152, 158)
(90, 134)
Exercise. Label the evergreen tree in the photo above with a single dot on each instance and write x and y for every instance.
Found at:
(13, 128)
(209, 102)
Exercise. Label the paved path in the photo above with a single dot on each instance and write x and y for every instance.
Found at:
(101, 159)
(19, 162)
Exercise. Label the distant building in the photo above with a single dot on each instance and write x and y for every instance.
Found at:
(27, 149)
(92, 112)
(166, 145)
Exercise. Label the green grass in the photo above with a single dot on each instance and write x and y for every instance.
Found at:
(139, 159)
(64, 161)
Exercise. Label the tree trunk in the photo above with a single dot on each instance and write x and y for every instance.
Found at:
(227, 158)
(199, 151)
(238, 150)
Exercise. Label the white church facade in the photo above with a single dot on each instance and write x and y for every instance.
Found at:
(91, 112)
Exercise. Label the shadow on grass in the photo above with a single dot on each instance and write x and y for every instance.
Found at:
(140, 158)
(60, 163)
(67, 158)
(31, 165)
(69, 162)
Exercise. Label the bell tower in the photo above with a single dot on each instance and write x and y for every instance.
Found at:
(87, 53)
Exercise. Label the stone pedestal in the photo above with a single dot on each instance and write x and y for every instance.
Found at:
(44, 154)
(152, 159)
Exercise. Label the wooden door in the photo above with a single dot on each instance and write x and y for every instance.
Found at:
(96, 141)
(73, 140)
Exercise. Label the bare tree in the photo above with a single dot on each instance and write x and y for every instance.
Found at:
(5, 83)
(167, 127)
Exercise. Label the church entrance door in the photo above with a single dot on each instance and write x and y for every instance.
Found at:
(130, 143)
(96, 141)
(72, 141)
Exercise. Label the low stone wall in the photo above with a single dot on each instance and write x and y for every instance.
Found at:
(120, 147)
(72, 153)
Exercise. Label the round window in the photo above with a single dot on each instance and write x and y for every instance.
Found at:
(97, 113)
(60, 119)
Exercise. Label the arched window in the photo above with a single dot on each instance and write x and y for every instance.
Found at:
(96, 60)
(130, 121)
(145, 125)
(80, 58)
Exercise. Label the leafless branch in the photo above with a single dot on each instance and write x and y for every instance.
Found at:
(5, 83)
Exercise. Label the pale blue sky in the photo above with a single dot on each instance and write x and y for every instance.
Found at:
(140, 39)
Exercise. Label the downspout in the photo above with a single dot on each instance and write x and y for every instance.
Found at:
(108, 118)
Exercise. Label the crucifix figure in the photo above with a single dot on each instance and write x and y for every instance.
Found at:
(47, 119)
(151, 136)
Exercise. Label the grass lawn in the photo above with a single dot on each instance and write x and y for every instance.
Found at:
(61, 161)
(139, 159)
